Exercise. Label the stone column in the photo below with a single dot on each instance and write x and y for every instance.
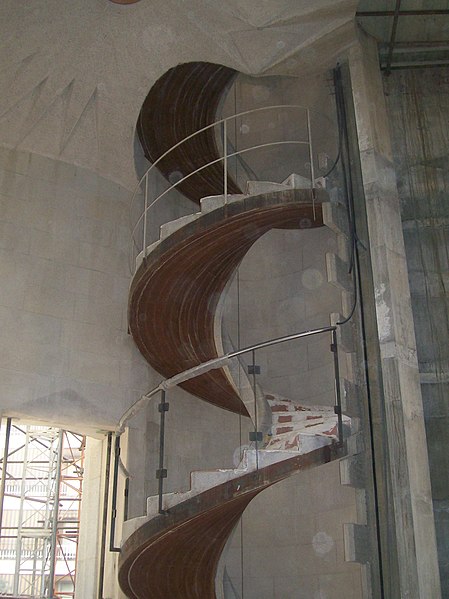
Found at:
(409, 466)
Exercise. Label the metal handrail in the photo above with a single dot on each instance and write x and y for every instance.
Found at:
(228, 118)
(224, 159)
(161, 472)
(204, 367)
(220, 159)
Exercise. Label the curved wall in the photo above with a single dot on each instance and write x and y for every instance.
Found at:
(66, 355)
(282, 288)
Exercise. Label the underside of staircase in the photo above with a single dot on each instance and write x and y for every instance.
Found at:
(176, 290)
(176, 554)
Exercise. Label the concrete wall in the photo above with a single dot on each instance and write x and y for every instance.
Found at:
(66, 357)
(88, 562)
(418, 105)
(410, 500)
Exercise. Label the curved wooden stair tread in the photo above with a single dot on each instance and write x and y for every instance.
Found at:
(176, 290)
(176, 554)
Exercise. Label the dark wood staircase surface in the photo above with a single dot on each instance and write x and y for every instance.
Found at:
(184, 100)
(176, 290)
(175, 555)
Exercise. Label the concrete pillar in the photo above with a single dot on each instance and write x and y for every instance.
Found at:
(409, 467)
(91, 519)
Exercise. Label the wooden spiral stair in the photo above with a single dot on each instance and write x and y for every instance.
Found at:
(173, 299)
(173, 303)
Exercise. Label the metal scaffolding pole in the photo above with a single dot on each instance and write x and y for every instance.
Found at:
(40, 496)
(54, 527)
(4, 467)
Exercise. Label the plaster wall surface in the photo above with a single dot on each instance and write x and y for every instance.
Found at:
(66, 357)
(418, 104)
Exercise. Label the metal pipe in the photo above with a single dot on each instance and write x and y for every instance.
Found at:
(309, 139)
(216, 161)
(234, 116)
(402, 13)
(191, 373)
(112, 547)
(393, 37)
(429, 64)
(337, 409)
(419, 44)
(126, 506)
(4, 466)
(161, 473)
(54, 526)
(312, 166)
(105, 517)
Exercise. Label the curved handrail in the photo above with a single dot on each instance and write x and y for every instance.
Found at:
(199, 169)
(214, 124)
(204, 367)
(224, 121)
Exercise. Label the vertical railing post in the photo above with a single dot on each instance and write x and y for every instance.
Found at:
(255, 436)
(312, 166)
(161, 472)
(337, 408)
(145, 217)
(225, 160)
(117, 450)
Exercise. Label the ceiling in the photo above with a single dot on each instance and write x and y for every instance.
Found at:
(411, 33)
(74, 80)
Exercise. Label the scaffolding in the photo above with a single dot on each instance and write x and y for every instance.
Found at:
(40, 498)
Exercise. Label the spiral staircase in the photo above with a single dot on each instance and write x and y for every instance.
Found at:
(175, 302)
